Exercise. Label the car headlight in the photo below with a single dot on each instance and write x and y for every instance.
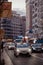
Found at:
(9, 46)
(18, 50)
(33, 48)
(29, 50)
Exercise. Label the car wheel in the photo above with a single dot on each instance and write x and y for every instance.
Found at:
(29, 55)
(16, 55)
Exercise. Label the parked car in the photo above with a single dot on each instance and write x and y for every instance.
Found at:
(10, 45)
(23, 48)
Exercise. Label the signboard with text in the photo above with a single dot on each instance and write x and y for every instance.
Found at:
(5, 8)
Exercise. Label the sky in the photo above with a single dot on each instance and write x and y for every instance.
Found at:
(18, 4)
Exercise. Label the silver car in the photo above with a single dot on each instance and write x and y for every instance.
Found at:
(22, 48)
(37, 47)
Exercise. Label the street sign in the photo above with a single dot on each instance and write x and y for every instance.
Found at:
(5, 8)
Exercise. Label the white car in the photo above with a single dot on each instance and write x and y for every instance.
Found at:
(22, 48)
(10, 45)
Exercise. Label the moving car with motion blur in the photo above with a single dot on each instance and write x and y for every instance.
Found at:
(38, 45)
(10, 45)
(23, 48)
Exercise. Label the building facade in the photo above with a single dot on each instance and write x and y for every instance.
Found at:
(34, 16)
(18, 24)
(5, 24)
(28, 15)
(7, 27)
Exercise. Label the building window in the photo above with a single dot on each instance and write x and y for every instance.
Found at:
(32, 2)
(35, 15)
(35, 9)
(35, 20)
(35, 4)
(33, 12)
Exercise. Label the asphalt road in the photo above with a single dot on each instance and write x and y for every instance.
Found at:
(35, 59)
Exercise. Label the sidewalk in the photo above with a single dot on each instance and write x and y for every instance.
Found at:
(7, 59)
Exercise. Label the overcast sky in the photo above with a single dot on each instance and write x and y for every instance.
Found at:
(20, 4)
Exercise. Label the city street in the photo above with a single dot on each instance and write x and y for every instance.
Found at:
(21, 31)
(35, 59)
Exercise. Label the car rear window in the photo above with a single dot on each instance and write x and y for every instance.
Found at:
(18, 40)
(22, 45)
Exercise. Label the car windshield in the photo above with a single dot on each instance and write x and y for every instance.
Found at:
(39, 41)
(10, 44)
(18, 40)
(35, 45)
(23, 45)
